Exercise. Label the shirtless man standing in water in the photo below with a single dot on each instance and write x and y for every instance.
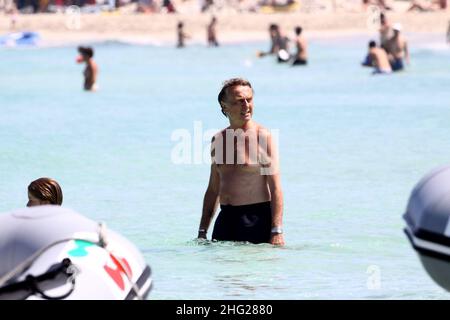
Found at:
(244, 176)
(301, 56)
(397, 49)
(212, 33)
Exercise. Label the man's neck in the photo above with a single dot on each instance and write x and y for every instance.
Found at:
(241, 125)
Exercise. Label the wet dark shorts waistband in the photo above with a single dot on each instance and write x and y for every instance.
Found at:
(246, 207)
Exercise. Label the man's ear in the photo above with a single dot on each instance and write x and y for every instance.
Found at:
(223, 107)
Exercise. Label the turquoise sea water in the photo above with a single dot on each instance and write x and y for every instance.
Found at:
(352, 146)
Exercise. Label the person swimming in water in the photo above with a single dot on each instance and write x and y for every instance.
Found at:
(44, 191)
(91, 70)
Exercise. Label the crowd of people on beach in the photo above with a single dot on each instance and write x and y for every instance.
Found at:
(414, 5)
(207, 6)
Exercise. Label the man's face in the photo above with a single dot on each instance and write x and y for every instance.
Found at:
(238, 104)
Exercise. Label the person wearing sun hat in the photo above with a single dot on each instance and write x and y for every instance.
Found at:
(397, 49)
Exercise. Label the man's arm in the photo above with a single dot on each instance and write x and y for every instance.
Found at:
(94, 73)
(276, 194)
(406, 53)
(305, 46)
(210, 202)
(276, 207)
(90, 80)
(272, 50)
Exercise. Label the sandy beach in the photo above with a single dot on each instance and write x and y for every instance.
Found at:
(57, 29)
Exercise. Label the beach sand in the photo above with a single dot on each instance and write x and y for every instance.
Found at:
(160, 29)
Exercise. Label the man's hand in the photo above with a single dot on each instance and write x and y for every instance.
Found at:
(277, 239)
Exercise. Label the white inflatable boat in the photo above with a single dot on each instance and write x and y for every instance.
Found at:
(50, 252)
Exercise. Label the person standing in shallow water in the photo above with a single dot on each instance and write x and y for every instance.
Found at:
(91, 70)
(301, 55)
(44, 191)
(244, 177)
(279, 44)
(397, 49)
(181, 35)
(212, 33)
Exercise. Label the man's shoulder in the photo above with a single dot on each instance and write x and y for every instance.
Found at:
(378, 51)
(261, 128)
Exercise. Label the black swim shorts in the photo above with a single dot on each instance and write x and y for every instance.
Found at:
(298, 62)
(250, 223)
